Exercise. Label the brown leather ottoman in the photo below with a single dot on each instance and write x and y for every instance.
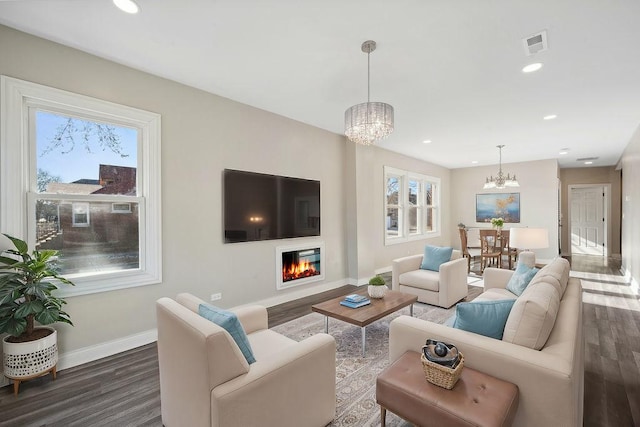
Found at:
(477, 399)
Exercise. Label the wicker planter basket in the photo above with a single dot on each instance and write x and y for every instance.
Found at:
(442, 376)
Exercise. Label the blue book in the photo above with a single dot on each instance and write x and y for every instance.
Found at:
(354, 304)
(356, 298)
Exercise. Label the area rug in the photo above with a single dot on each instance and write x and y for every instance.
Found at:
(355, 375)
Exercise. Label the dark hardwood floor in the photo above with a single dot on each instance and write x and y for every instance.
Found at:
(124, 390)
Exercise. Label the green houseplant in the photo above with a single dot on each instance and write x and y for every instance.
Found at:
(377, 287)
(26, 297)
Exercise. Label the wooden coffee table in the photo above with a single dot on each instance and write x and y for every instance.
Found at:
(363, 316)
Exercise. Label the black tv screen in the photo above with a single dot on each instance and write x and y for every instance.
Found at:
(258, 206)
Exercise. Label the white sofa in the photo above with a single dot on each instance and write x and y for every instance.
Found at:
(550, 379)
(206, 381)
(442, 288)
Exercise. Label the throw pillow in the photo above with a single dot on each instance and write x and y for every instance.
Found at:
(483, 317)
(434, 256)
(229, 321)
(520, 279)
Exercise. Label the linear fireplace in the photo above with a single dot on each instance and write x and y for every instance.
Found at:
(300, 264)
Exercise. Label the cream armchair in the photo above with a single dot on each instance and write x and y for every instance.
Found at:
(442, 288)
(206, 381)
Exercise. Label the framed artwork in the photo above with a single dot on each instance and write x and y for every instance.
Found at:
(496, 205)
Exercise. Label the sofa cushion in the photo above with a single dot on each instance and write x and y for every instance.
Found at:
(229, 321)
(533, 315)
(494, 294)
(422, 279)
(486, 318)
(555, 273)
(521, 278)
(434, 256)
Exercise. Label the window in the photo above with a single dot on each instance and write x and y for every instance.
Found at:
(79, 217)
(80, 163)
(411, 206)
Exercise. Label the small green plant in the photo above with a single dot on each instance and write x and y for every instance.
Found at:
(377, 280)
(25, 293)
(497, 222)
(461, 225)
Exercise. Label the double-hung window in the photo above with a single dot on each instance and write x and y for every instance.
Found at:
(411, 206)
(82, 176)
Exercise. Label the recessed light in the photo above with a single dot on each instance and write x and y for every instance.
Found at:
(588, 162)
(128, 6)
(474, 162)
(550, 117)
(563, 152)
(532, 67)
(426, 141)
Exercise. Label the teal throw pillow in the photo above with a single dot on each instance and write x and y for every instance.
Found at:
(229, 321)
(483, 317)
(521, 278)
(434, 256)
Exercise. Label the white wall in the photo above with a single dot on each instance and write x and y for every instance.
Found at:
(630, 240)
(538, 198)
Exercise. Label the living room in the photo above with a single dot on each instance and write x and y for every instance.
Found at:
(203, 134)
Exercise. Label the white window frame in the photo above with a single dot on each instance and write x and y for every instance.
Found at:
(405, 207)
(75, 207)
(18, 188)
(115, 207)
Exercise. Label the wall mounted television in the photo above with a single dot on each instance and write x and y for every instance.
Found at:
(259, 206)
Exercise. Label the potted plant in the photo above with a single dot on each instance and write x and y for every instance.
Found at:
(26, 296)
(377, 287)
(497, 223)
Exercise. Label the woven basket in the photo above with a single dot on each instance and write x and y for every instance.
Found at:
(442, 376)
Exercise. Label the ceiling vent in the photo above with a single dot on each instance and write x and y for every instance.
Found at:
(535, 43)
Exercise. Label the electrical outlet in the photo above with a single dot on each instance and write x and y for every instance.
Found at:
(216, 297)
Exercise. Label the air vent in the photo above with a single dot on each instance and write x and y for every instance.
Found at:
(586, 159)
(535, 43)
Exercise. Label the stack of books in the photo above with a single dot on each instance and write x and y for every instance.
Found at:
(355, 301)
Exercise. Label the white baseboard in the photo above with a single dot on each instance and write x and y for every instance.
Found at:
(109, 348)
(301, 293)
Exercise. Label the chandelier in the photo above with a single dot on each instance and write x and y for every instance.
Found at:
(500, 181)
(368, 122)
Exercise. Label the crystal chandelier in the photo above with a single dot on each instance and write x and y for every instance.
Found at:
(500, 181)
(368, 122)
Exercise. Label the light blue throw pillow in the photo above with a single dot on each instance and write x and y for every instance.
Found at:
(434, 256)
(521, 278)
(229, 321)
(483, 317)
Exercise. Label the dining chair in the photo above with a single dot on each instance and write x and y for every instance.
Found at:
(467, 251)
(507, 250)
(491, 252)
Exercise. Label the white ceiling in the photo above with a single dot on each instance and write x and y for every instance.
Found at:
(451, 69)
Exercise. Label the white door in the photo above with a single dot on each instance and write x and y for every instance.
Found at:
(588, 220)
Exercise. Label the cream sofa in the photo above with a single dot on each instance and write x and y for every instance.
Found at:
(206, 381)
(551, 379)
(442, 288)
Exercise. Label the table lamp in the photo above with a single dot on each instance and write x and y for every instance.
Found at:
(529, 238)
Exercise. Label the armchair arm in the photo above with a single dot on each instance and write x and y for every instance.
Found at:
(402, 265)
(453, 281)
(252, 317)
(295, 387)
(496, 277)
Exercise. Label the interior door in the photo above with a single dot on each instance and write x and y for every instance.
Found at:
(588, 220)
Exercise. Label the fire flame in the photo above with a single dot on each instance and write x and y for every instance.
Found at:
(298, 271)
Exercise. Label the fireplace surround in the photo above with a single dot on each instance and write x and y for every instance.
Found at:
(299, 264)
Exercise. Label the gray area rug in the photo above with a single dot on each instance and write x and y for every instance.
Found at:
(355, 375)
